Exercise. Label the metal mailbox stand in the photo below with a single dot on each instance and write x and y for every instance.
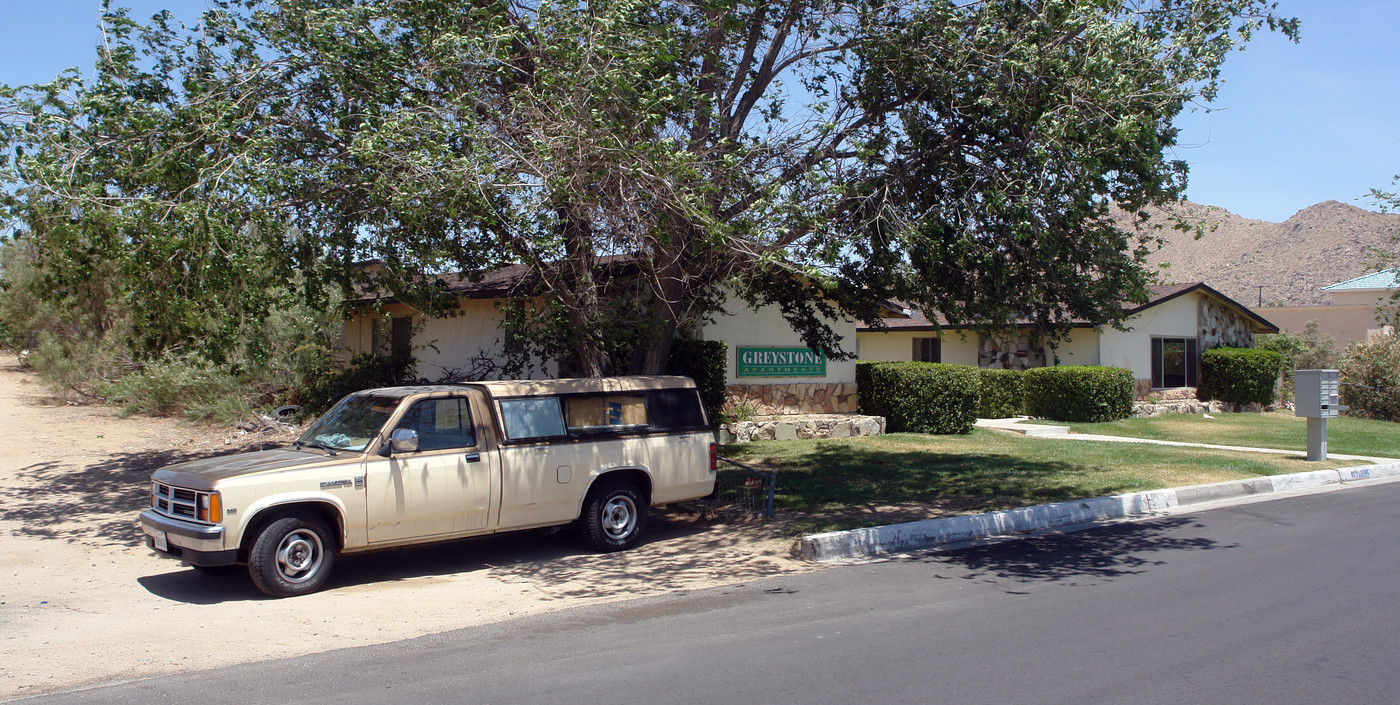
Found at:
(1315, 397)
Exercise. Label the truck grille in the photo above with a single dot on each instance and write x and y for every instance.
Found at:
(178, 502)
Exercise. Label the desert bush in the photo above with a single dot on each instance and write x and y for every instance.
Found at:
(365, 371)
(1370, 377)
(181, 386)
(1079, 393)
(1309, 350)
(1239, 375)
(1002, 393)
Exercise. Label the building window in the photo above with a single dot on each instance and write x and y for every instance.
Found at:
(392, 338)
(1175, 362)
(928, 350)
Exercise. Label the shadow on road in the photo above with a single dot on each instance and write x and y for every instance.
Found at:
(1080, 557)
(676, 554)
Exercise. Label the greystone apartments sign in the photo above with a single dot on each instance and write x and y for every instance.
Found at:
(779, 362)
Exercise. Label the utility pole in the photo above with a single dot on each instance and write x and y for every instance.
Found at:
(1261, 295)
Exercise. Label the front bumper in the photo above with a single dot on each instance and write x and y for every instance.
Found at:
(196, 544)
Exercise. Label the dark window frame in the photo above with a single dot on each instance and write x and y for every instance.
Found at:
(574, 434)
(1190, 375)
(927, 350)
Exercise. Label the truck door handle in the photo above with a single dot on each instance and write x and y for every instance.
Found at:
(473, 457)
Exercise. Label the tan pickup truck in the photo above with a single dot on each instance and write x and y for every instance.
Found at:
(406, 465)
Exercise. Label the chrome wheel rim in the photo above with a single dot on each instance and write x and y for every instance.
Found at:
(299, 556)
(619, 517)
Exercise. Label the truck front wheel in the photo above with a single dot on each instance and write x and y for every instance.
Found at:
(613, 517)
(292, 555)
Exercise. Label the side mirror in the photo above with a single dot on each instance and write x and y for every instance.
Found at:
(404, 440)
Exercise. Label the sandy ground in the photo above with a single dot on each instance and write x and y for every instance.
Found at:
(83, 601)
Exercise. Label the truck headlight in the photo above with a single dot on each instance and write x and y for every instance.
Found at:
(211, 507)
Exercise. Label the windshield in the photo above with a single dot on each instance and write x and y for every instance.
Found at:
(351, 424)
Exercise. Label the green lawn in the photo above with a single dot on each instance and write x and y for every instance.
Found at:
(1279, 429)
(846, 483)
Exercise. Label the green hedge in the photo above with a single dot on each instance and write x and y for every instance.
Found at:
(921, 397)
(1079, 393)
(1003, 393)
(704, 362)
(866, 401)
(1239, 375)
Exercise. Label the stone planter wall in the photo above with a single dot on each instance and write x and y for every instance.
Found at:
(1184, 401)
(793, 427)
(797, 398)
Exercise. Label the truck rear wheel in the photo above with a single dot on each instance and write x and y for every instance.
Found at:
(613, 517)
(292, 556)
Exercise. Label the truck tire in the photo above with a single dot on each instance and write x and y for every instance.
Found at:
(293, 555)
(613, 517)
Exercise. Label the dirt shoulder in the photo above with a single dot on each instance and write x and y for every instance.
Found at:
(83, 601)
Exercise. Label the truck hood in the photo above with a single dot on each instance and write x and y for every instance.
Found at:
(204, 473)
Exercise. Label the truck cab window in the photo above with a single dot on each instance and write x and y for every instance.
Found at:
(441, 424)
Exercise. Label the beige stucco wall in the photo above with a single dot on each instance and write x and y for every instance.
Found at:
(767, 328)
(898, 346)
(1131, 349)
(1082, 348)
(1361, 297)
(1344, 323)
(440, 344)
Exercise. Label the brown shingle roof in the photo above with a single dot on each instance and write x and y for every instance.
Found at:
(1157, 294)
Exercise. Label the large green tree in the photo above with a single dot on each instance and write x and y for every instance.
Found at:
(643, 160)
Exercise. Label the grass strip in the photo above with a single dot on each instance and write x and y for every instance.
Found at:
(831, 484)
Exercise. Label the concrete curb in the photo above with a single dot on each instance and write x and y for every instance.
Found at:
(901, 538)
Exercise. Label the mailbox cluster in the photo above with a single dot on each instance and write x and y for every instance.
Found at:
(1315, 394)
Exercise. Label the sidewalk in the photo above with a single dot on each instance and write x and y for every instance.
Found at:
(1019, 425)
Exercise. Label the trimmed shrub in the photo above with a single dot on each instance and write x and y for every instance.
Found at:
(1079, 393)
(865, 396)
(1239, 375)
(1003, 393)
(1370, 376)
(704, 362)
(923, 397)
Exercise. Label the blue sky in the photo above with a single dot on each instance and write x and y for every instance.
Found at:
(1294, 125)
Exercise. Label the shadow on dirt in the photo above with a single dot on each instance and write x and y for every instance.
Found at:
(676, 554)
(1079, 558)
(94, 504)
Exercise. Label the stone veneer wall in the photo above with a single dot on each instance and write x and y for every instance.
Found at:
(797, 398)
(1221, 326)
(1009, 352)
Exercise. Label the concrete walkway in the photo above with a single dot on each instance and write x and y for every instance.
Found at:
(1021, 425)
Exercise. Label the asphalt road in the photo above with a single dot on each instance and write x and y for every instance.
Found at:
(1295, 600)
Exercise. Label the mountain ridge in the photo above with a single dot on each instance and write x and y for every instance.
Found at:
(1320, 245)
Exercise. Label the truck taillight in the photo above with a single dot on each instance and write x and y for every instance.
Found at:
(714, 457)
